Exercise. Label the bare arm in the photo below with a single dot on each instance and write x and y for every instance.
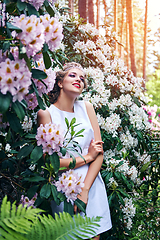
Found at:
(44, 117)
(95, 165)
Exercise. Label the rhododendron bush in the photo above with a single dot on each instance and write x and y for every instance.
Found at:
(37, 38)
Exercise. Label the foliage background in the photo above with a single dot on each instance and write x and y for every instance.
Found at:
(131, 164)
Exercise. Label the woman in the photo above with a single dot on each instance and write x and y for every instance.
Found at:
(69, 85)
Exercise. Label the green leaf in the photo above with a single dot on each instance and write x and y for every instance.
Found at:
(72, 121)
(124, 194)
(49, 8)
(81, 205)
(108, 176)
(139, 133)
(38, 74)
(47, 60)
(21, 5)
(67, 122)
(145, 166)
(32, 10)
(68, 207)
(17, 107)
(36, 153)
(30, 136)
(6, 46)
(45, 191)
(119, 146)
(5, 101)
(63, 151)
(82, 130)
(25, 151)
(14, 122)
(55, 162)
(32, 191)
(73, 163)
(35, 179)
(61, 196)
(55, 194)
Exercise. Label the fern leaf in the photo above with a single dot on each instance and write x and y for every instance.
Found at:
(15, 222)
(63, 227)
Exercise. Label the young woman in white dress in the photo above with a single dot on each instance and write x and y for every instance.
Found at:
(69, 85)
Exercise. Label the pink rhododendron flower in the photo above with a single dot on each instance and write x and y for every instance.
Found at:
(50, 137)
(32, 35)
(52, 31)
(15, 78)
(49, 81)
(31, 100)
(71, 184)
(25, 200)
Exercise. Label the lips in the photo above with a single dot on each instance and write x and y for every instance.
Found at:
(77, 85)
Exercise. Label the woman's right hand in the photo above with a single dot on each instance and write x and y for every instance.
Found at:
(94, 149)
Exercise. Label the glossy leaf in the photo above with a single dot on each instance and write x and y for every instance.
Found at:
(36, 153)
(25, 151)
(47, 60)
(5, 101)
(54, 158)
(45, 191)
(38, 74)
(17, 107)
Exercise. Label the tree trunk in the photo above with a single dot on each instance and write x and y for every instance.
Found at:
(127, 45)
(90, 11)
(105, 11)
(70, 5)
(122, 28)
(131, 36)
(82, 9)
(115, 21)
(145, 42)
(98, 13)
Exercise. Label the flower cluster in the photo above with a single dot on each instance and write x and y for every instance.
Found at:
(52, 31)
(70, 184)
(36, 31)
(125, 168)
(2, 14)
(31, 100)
(48, 83)
(27, 124)
(153, 117)
(129, 212)
(15, 78)
(128, 141)
(36, 3)
(110, 124)
(50, 137)
(26, 201)
(138, 117)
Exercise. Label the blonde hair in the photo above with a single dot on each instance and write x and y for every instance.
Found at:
(54, 94)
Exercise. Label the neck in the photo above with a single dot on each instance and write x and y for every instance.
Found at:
(66, 104)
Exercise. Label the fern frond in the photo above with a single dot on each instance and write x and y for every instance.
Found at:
(63, 227)
(14, 221)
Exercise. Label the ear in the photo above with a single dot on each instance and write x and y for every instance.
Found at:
(60, 84)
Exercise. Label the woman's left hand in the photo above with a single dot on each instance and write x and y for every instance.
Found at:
(83, 196)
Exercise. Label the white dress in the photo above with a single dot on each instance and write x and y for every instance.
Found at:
(97, 199)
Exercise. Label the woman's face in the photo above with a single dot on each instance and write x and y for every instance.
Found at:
(73, 82)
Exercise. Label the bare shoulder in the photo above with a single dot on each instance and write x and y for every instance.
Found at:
(93, 119)
(43, 117)
(89, 107)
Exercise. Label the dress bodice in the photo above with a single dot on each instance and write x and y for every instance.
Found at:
(80, 113)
